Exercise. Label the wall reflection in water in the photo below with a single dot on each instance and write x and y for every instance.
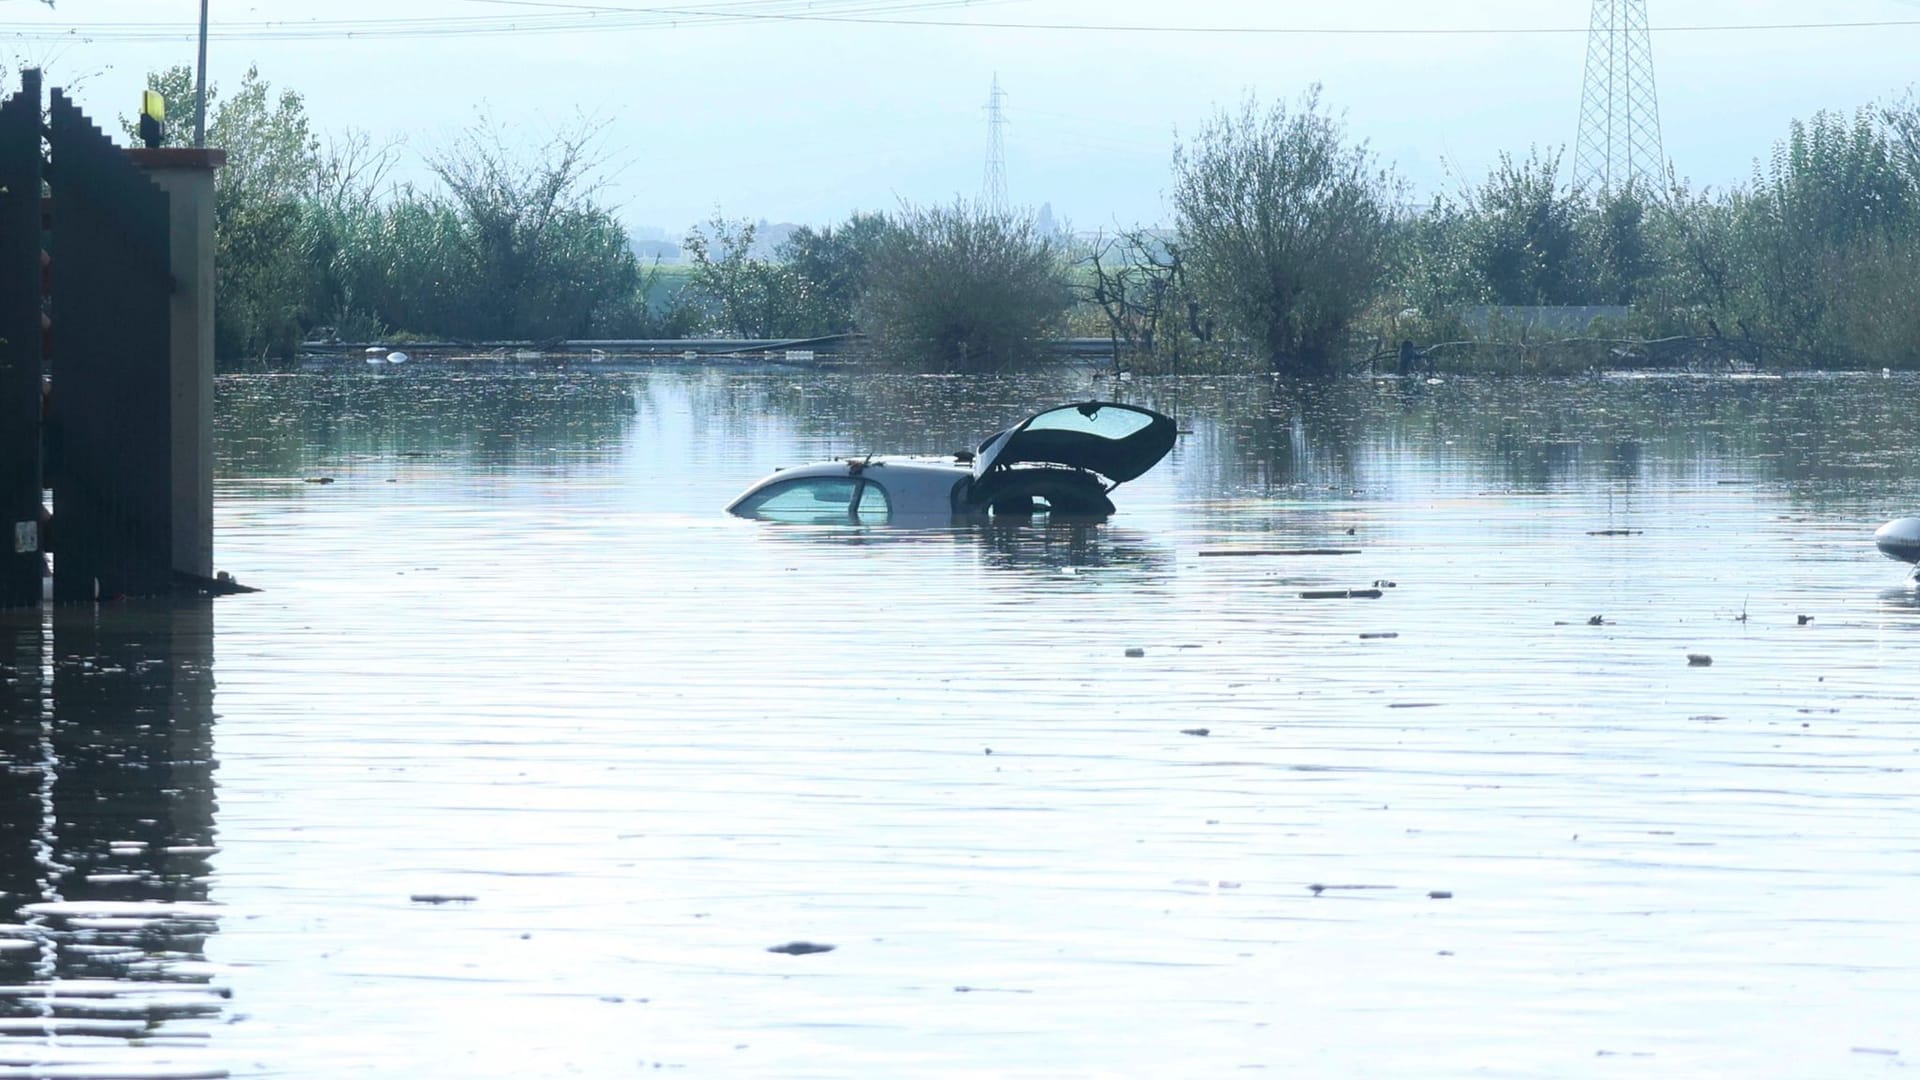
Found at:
(106, 838)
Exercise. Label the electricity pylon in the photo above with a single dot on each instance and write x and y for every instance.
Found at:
(1619, 142)
(993, 191)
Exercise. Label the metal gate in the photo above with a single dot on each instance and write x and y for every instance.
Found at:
(21, 366)
(104, 444)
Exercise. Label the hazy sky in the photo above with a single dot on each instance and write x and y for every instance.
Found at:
(805, 120)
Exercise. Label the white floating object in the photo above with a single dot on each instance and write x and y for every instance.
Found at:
(397, 357)
(1899, 539)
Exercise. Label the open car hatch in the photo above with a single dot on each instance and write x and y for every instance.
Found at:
(1118, 442)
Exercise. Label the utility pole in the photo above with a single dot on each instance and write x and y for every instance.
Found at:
(1619, 144)
(200, 85)
(994, 190)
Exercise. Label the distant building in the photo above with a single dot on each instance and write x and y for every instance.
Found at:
(665, 251)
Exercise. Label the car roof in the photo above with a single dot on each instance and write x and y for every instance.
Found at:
(942, 466)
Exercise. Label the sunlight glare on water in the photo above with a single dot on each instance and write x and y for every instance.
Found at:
(527, 754)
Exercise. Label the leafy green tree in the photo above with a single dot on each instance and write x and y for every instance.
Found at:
(1523, 235)
(263, 261)
(833, 263)
(1623, 253)
(963, 288)
(745, 296)
(1285, 226)
(1834, 196)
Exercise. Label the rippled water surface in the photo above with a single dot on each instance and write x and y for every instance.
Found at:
(527, 755)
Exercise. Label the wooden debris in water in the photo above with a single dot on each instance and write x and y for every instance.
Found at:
(1379, 635)
(1136, 652)
(1696, 659)
(801, 948)
(1439, 894)
(1200, 731)
(1617, 532)
(441, 898)
(1222, 552)
(1341, 594)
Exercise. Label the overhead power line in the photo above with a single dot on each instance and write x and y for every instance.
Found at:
(608, 18)
(569, 19)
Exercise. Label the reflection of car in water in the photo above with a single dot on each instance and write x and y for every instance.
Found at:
(1900, 539)
(1063, 461)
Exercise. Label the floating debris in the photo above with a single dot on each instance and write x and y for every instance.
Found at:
(1805, 619)
(1696, 659)
(801, 948)
(319, 479)
(1439, 894)
(441, 898)
(1200, 731)
(1617, 532)
(1224, 552)
(1136, 652)
(1380, 635)
(1597, 620)
(1318, 889)
(1341, 594)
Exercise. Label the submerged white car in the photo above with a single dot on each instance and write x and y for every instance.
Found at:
(1062, 462)
(1900, 539)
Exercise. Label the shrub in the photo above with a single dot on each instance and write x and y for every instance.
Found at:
(963, 288)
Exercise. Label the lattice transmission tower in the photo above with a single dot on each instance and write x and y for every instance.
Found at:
(1619, 140)
(993, 190)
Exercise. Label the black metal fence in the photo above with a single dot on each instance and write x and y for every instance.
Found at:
(85, 383)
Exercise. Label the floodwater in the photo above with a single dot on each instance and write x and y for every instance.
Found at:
(526, 756)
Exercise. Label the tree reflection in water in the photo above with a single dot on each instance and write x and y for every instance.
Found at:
(106, 836)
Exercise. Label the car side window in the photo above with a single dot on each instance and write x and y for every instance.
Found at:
(813, 500)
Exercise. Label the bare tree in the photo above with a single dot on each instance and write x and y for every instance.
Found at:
(1139, 282)
(353, 169)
